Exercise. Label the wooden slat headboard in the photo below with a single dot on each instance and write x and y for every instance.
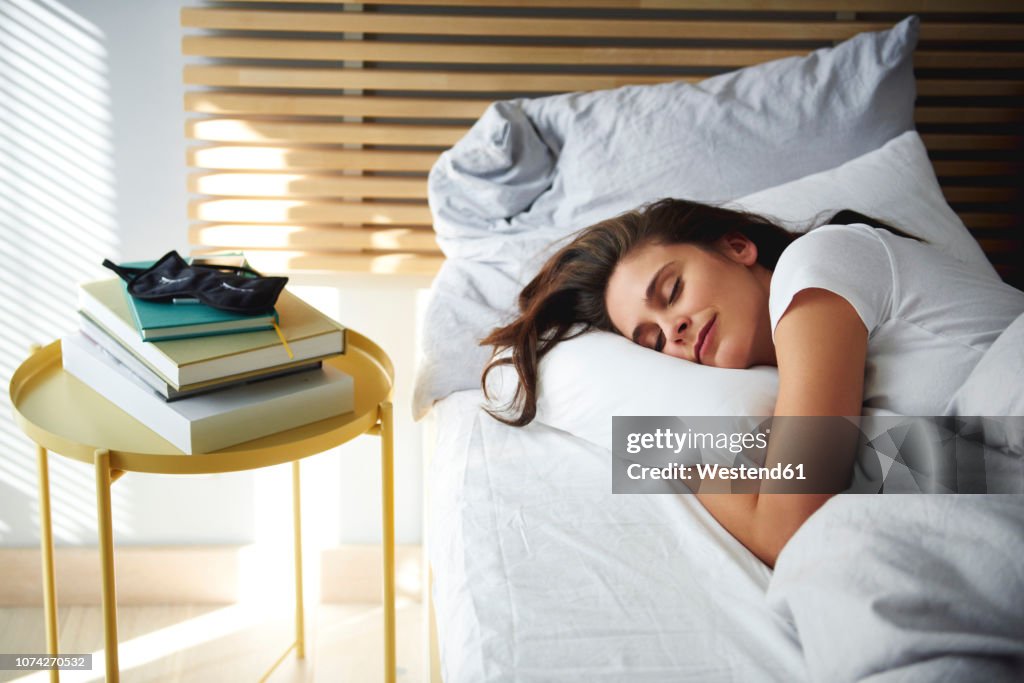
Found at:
(316, 123)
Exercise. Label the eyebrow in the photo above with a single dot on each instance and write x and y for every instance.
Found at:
(649, 294)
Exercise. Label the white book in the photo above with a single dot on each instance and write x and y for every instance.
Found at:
(208, 422)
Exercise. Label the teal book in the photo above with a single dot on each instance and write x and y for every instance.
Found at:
(159, 321)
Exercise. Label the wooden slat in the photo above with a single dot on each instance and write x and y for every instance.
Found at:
(296, 185)
(901, 6)
(986, 195)
(956, 168)
(990, 221)
(965, 59)
(571, 27)
(968, 115)
(961, 87)
(969, 142)
(296, 211)
(269, 236)
(230, 157)
(386, 79)
(550, 27)
(998, 247)
(226, 103)
(241, 130)
(334, 262)
(209, 102)
(370, 51)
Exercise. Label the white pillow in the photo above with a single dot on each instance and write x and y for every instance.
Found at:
(586, 380)
(895, 184)
(987, 394)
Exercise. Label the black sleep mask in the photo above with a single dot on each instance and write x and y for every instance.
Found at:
(229, 288)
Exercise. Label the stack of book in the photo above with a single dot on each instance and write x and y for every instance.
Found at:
(202, 378)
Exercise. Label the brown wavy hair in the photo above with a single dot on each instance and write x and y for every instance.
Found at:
(570, 288)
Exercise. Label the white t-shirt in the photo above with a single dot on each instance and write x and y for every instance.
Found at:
(930, 317)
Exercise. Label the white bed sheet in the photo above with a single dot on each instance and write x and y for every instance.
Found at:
(541, 574)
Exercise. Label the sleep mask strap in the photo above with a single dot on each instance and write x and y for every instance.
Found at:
(127, 273)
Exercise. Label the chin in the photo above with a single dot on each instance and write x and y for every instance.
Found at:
(732, 361)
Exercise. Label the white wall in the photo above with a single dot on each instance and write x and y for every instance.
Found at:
(92, 166)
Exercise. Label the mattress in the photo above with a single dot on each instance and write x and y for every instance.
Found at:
(541, 574)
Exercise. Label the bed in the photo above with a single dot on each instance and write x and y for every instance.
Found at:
(539, 572)
(317, 124)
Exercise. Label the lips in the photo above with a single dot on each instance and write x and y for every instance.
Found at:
(698, 348)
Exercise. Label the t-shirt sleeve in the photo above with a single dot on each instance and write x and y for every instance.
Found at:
(849, 260)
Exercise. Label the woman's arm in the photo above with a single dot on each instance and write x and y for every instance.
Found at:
(821, 347)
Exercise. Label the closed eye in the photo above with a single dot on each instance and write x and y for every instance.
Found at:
(675, 290)
(659, 343)
(644, 340)
(677, 286)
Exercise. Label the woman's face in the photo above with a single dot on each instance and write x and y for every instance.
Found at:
(706, 305)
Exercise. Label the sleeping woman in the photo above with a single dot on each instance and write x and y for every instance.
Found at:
(855, 314)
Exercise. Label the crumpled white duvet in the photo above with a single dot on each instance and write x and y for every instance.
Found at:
(919, 587)
(541, 574)
(907, 588)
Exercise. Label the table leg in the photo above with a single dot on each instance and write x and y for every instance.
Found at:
(46, 545)
(387, 447)
(106, 535)
(300, 631)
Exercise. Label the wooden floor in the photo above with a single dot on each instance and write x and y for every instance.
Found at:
(169, 643)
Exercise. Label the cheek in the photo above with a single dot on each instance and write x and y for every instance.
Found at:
(737, 341)
(725, 350)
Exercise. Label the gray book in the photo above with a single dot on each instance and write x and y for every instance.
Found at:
(125, 357)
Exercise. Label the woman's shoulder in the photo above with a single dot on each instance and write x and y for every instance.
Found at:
(831, 235)
(858, 246)
(837, 246)
(852, 261)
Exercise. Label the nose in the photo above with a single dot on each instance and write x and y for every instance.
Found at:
(675, 327)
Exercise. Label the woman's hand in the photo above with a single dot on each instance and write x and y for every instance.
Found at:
(821, 347)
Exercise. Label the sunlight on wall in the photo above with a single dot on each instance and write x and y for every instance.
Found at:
(266, 566)
(57, 223)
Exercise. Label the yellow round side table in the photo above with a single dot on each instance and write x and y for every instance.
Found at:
(63, 415)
